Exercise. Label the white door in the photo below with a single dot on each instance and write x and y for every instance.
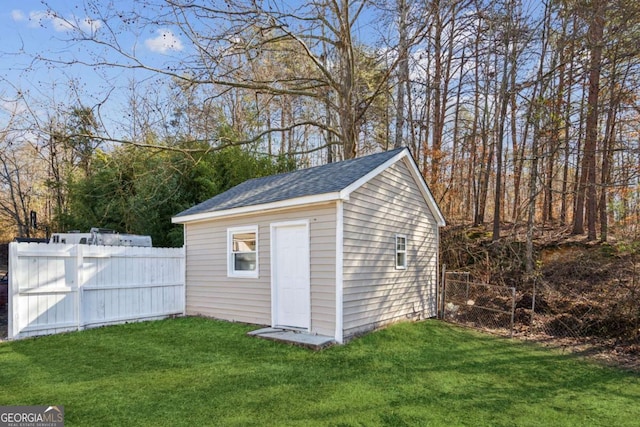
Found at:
(290, 281)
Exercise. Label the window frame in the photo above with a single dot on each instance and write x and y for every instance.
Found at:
(403, 265)
(231, 270)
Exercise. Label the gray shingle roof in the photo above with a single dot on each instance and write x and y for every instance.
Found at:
(328, 178)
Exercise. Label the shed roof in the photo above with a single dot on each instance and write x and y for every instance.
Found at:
(316, 184)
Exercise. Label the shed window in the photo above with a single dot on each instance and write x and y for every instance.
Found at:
(401, 252)
(242, 249)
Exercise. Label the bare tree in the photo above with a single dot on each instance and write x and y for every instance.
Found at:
(227, 46)
(21, 176)
(403, 70)
(587, 196)
(458, 81)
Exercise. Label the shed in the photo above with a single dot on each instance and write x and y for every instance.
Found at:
(334, 250)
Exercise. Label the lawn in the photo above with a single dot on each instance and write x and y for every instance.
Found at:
(201, 372)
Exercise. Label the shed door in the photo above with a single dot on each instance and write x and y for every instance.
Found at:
(290, 287)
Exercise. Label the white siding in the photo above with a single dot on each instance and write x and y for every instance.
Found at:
(210, 292)
(375, 292)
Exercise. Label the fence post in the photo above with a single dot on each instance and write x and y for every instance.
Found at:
(79, 277)
(12, 296)
(533, 304)
(183, 274)
(440, 297)
(468, 284)
(513, 310)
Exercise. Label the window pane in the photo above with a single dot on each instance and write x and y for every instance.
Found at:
(400, 259)
(401, 243)
(244, 242)
(244, 261)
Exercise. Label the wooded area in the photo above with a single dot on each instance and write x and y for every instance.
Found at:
(523, 113)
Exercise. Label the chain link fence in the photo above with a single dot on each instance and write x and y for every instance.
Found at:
(478, 305)
(542, 311)
(538, 311)
(581, 296)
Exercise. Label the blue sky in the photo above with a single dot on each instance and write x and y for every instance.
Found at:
(26, 27)
(29, 32)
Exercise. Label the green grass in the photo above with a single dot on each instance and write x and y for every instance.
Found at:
(197, 372)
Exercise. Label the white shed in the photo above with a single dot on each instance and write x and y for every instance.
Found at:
(334, 250)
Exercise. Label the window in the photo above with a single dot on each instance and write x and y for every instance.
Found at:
(242, 249)
(401, 252)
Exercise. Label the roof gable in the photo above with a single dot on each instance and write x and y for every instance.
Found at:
(332, 181)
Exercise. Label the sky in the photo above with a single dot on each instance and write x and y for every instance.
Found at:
(28, 31)
(26, 27)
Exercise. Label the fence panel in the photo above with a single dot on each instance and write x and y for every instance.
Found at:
(478, 305)
(56, 288)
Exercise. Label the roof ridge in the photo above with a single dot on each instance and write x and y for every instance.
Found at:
(316, 180)
(329, 164)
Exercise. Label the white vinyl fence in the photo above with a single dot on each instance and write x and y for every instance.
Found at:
(57, 288)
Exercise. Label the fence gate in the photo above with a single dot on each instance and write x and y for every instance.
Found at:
(56, 287)
(477, 305)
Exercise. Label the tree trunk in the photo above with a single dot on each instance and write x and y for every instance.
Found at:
(403, 71)
(504, 104)
(609, 140)
(436, 144)
(455, 167)
(475, 163)
(587, 196)
(567, 120)
(517, 155)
